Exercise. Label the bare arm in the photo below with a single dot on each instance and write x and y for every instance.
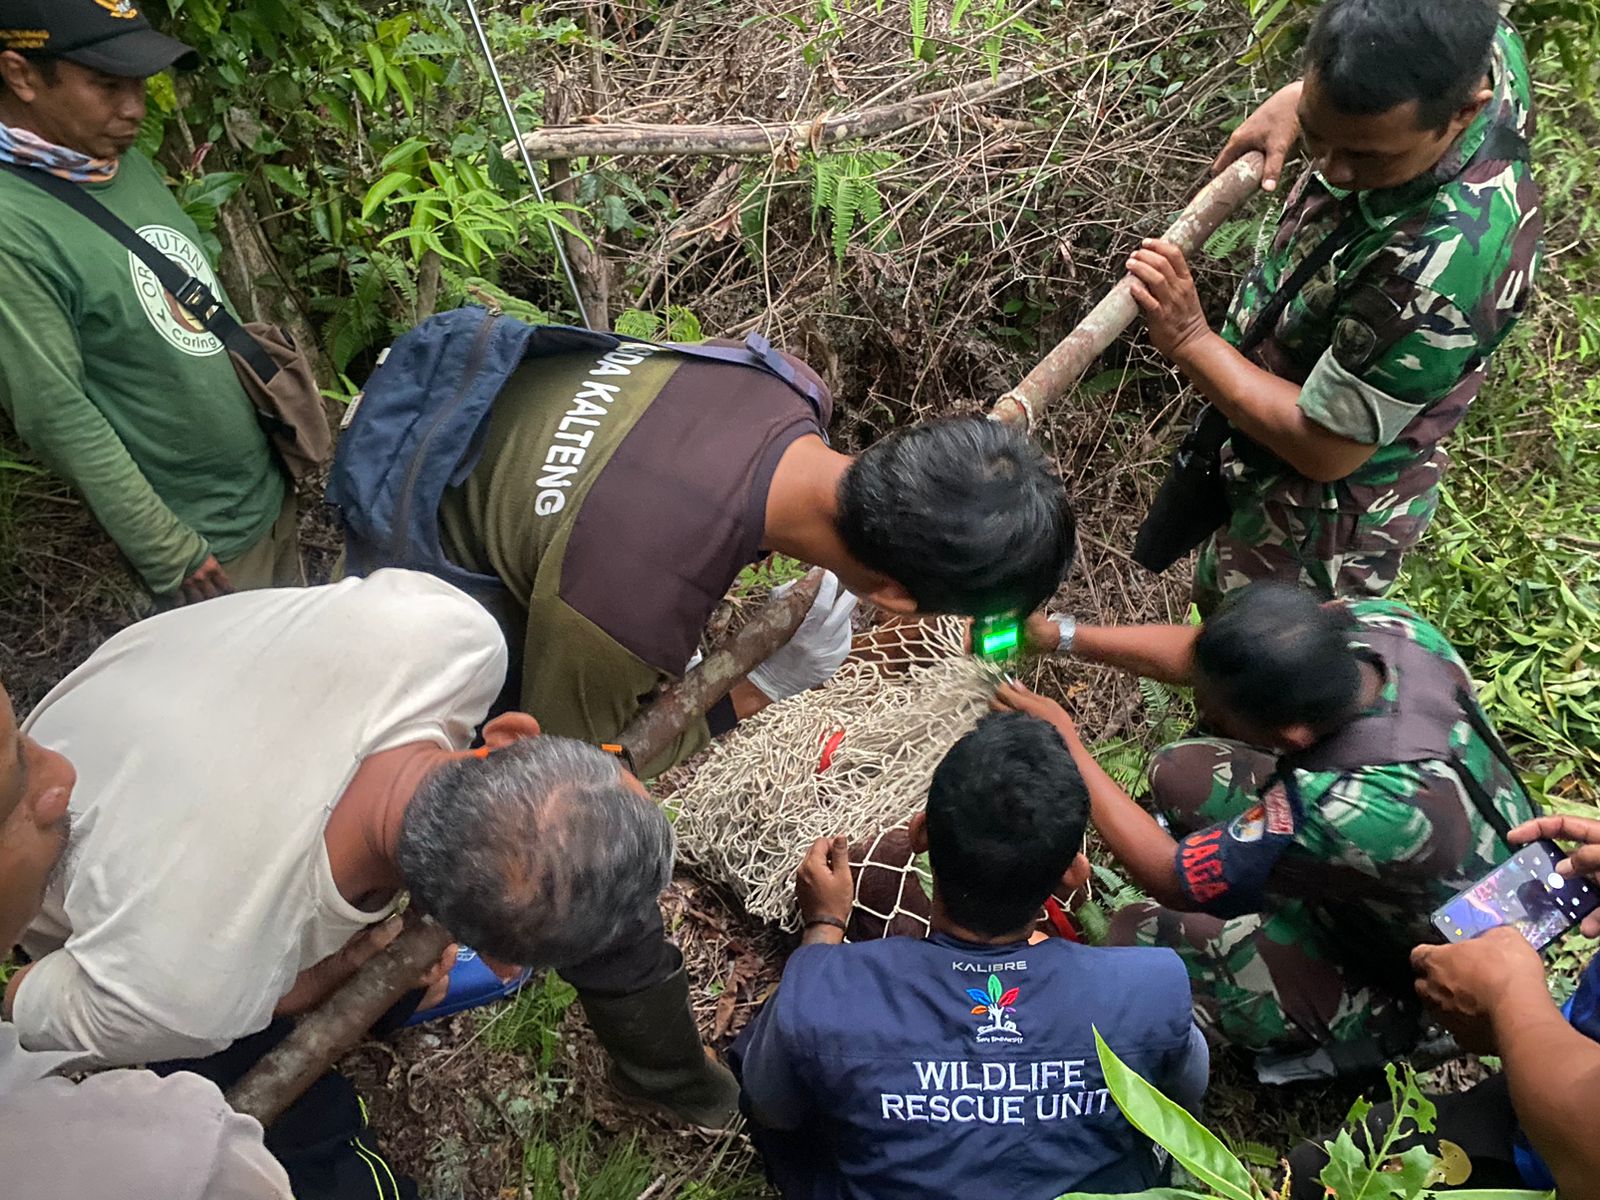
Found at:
(1490, 992)
(1267, 409)
(1161, 652)
(1256, 402)
(1554, 1073)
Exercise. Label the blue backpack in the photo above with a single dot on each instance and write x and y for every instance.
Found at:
(418, 428)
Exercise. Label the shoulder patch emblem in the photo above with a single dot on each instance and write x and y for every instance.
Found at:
(1279, 813)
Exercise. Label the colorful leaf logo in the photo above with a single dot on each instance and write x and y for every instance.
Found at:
(995, 1000)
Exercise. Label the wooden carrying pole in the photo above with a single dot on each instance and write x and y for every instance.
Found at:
(326, 1034)
(1060, 369)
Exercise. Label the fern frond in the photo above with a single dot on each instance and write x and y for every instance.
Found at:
(919, 27)
(635, 323)
(846, 204)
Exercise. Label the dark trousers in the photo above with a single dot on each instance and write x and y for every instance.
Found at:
(1480, 1121)
(632, 965)
(322, 1139)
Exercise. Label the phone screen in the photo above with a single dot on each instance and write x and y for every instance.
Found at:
(1524, 891)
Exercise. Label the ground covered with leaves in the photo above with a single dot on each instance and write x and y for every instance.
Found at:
(923, 270)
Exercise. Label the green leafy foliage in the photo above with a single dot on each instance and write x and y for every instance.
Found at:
(845, 186)
(1171, 1126)
(365, 135)
(1362, 1165)
(530, 1022)
(673, 324)
(1168, 714)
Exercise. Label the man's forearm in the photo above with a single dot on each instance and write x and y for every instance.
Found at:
(1266, 409)
(1133, 836)
(1160, 652)
(1554, 1076)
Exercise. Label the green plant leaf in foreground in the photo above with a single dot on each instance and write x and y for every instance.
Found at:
(1149, 1194)
(1170, 1126)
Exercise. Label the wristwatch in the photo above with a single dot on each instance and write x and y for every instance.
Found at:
(1068, 627)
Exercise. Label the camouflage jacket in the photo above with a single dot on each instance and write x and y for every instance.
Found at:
(1374, 847)
(1389, 341)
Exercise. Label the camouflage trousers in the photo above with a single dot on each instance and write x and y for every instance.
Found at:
(1332, 551)
(1265, 982)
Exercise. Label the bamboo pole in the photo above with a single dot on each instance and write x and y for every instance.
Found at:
(1060, 369)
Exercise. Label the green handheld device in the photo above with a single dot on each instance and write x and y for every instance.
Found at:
(997, 639)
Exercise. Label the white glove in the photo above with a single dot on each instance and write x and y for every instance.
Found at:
(817, 648)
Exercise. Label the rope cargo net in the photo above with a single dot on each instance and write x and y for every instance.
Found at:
(853, 757)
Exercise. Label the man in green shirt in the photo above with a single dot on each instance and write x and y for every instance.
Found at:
(1417, 116)
(103, 374)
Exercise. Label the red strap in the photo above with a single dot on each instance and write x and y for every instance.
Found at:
(1060, 921)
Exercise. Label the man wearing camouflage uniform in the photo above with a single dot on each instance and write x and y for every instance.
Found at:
(1417, 116)
(1302, 875)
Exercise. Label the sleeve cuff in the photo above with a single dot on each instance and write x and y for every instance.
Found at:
(1343, 403)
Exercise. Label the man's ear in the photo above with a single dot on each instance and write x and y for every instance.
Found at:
(1297, 737)
(892, 597)
(47, 808)
(1077, 874)
(1468, 112)
(508, 728)
(20, 75)
(917, 833)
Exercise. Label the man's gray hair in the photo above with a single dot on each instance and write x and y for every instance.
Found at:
(540, 854)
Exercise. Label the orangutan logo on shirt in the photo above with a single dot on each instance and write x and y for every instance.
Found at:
(171, 320)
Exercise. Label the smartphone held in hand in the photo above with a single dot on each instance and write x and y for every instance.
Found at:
(1524, 891)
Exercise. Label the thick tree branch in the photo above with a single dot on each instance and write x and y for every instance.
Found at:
(753, 138)
(658, 726)
(323, 1036)
(1061, 368)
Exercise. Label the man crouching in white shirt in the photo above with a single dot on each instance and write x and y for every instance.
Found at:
(260, 778)
(160, 1139)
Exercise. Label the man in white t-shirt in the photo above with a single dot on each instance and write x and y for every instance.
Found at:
(260, 777)
(160, 1139)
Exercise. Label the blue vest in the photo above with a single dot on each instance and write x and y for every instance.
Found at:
(942, 1068)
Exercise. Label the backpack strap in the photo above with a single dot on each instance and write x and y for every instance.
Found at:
(197, 299)
(758, 352)
(1481, 799)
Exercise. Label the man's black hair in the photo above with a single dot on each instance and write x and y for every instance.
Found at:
(1006, 814)
(967, 515)
(1370, 56)
(1275, 655)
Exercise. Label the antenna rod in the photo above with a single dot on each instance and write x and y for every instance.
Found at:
(527, 159)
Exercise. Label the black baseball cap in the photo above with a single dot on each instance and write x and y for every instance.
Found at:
(106, 35)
